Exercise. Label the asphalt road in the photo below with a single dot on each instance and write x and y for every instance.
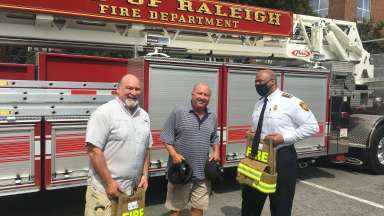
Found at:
(322, 190)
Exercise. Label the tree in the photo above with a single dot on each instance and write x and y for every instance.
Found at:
(297, 6)
(369, 31)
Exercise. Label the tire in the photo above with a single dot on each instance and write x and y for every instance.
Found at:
(375, 152)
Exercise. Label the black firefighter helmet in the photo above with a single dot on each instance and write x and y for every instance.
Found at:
(180, 173)
(213, 171)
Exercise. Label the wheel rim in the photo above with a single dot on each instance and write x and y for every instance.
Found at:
(380, 151)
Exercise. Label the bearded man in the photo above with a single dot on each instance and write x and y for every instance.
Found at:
(118, 139)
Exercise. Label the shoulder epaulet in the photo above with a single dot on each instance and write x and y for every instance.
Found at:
(286, 95)
(304, 106)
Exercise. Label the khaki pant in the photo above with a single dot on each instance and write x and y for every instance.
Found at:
(97, 203)
(196, 193)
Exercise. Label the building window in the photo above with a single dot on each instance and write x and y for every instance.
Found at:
(363, 12)
(320, 7)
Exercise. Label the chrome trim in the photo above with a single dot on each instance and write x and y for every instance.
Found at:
(285, 69)
(380, 151)
(55, 186)
(357, 145)
(378, 122)
(18, 191)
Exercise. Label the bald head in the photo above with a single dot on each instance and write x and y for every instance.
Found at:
(128, 90)
(201, 93)
(265, 79)
(267, 73)
(201, 85)
(128, 78)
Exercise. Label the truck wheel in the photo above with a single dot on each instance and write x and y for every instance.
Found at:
(375, 153)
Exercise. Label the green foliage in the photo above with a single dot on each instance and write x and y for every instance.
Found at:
(297, 6)
(371, 31)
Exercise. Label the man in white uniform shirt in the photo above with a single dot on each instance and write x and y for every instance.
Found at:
(286, 121)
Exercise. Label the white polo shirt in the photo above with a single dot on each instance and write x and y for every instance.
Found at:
(287, 115)
(124, 139)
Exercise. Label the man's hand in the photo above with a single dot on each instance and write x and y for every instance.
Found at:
(177, 158)
(215, 153)
(215, 156)
(144, 182)
(112, 189)
(276, 138)
(96, 155)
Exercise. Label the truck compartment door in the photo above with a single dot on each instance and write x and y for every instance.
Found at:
(66, 161)
(171, 85)
(313, 90)
(20, 163)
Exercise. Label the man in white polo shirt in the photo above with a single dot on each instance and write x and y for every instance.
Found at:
(118, 139)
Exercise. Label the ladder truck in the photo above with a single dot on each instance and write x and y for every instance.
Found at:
(45, 103)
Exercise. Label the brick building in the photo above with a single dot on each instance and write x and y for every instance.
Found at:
(351, 10)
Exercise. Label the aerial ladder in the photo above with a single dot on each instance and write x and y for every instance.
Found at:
(314, 39)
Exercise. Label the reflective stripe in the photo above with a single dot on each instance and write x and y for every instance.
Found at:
(267, 185)
(264, 189)
(248, 171)
(244, 172)
(255, 175)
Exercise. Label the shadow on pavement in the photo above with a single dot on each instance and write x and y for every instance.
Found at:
(230, 211)
(312, 172)
(184, 212)
(316, 171)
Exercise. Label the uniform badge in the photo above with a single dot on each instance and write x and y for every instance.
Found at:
(304, 106)
(261, 146)
(287, 95)
(274, 108)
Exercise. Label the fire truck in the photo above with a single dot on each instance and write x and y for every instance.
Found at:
(45, 103)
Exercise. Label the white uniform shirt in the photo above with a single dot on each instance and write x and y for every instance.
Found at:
(123, 137)
(287, 115)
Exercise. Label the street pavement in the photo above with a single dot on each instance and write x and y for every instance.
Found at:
(322, 189)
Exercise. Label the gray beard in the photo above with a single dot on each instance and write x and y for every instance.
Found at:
(131, 103)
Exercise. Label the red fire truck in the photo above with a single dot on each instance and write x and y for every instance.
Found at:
(44, 105)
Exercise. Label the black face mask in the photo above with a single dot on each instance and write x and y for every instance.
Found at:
(263, 89)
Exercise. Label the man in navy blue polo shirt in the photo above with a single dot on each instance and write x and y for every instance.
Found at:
(188, 134)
